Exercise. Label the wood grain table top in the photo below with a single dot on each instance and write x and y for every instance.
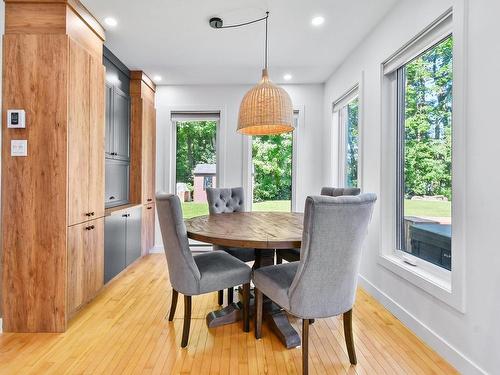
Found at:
(259, 230)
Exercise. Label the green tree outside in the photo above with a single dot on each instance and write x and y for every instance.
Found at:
(196, 143)
(428, 122)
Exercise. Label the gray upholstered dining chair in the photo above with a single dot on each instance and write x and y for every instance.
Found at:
(222, 201)
(293, 255)
(198, 274)
(323, 283)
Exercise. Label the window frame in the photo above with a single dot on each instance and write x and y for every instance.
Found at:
(339, 109)
(448, 286)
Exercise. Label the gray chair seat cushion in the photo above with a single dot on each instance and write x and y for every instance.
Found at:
(290, 255)
(220, 270)
(243, 254)
(275, 281)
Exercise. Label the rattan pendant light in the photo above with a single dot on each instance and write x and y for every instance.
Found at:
(267, 108)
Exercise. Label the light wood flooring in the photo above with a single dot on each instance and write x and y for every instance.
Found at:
(124, 331)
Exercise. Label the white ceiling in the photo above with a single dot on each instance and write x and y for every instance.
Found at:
(172, 38)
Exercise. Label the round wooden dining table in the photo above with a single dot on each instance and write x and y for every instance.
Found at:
(263, 231)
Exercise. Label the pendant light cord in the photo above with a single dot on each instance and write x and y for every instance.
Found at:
(267, 18)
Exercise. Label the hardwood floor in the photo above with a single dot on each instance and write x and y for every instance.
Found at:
(125, 331)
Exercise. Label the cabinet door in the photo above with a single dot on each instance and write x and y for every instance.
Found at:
(114, 246)
(94, 259)
(109, 120)
(76, 265)
(117, 186)
(121, 125)
(85, 262)
(148, 228)
(149, 152)
(96, 139)
(134, 228)
(78, 134)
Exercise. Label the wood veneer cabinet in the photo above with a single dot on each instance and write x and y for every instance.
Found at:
(52, 68)
(85, 263)
(85, 136)
(143, 145)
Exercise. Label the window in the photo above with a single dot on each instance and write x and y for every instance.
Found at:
(422, 187)
(424, 160)
(195, 159)
(272, 171)
(346, 110)
(207, 182)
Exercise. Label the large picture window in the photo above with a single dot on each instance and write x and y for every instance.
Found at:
(424, 154)
(195, 159)
(272, 171)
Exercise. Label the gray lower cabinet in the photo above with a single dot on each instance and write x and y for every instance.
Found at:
(134, 230)
(122, 241)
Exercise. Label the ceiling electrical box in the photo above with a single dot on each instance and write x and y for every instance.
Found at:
(16, 119)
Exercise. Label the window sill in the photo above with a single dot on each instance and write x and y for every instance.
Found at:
(437, 284)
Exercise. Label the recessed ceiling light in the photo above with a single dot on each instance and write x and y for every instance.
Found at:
(287, 77)
(318, 21)
(157, 78)
(110, 21)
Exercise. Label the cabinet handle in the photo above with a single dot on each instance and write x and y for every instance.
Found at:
(150, 200)
(126, 215)
(112, 197)
(150, 208)
(90, 227)
(90, 214)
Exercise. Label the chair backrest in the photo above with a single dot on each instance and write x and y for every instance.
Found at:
(334, 231)
(337, 192)
(225, 200)
(182, 269)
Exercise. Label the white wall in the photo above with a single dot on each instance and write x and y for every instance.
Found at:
(227, 98)
(470, 341)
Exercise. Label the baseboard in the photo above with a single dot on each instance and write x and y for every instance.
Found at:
(457, 359)
(157, 249)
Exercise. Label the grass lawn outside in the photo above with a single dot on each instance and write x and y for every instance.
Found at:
(192, 209)
(412, 208)
(427, 208)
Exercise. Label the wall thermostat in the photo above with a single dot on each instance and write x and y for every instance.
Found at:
(16, 119)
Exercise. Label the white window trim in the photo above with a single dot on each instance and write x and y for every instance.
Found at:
(338, 108)
(171, 169)
(247, 162)
(447, 286)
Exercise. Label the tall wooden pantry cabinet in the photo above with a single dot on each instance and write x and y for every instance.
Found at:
(52, 198)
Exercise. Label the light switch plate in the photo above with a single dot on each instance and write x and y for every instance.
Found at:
(16, 119)
(19, 147)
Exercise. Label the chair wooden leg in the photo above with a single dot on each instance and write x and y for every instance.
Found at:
(305, 346)
(173, 305)
(258, 313)
(187, 321)
(246, 307)
(220, 297)
(311, 321)
(230, 294)
(279, 259)
(349, 338)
